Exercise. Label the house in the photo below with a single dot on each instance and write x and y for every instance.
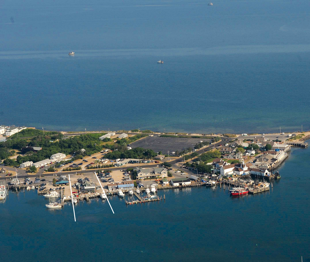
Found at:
(143, 173)
(107, 136)
(31, 149)
(26, 164)
(164, 181)
(237, 169)
(2, 130)
(180, 182)
(225, 150)
(42, 163)
(123, 136)
(57, 157)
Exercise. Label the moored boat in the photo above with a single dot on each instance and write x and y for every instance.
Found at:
(131, 192)
(236, 191)
(120, 193)
(3, 192)
(160, 62)
(52, 194)
(54, 205)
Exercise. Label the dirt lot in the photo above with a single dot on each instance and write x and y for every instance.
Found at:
(165, 144)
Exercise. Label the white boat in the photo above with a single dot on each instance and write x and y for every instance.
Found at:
(137, 191)
(33, 187)
(103, 196)
(71, 53)
(54, 205)
(160, 62)
(28, 188)
(211, 183)
(153, 189)
(147, 191)
(120, 193)
(131, 192)
(52, 194)
(75, 201)
(3, 192)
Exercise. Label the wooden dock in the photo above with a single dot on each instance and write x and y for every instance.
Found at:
(258, 190)
(298, 144)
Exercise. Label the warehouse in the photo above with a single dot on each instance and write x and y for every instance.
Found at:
(180, 182)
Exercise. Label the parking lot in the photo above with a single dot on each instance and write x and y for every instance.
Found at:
(165, 144)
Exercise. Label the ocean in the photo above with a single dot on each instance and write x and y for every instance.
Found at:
(236, 66)
(194, 224)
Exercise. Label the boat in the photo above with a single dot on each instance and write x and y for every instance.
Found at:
(153, 189)
(103, 196)
(131, 192)
(137, 191)
(54, 205)
(236, 191)
(120, 193)
(210, 4)
(147, 191)
(28, 188)
(160, 62)
(52, 194)
(33, 187)
(14, 181)
(71, 53)
(75, 201)
(211, 183)
(3, 192)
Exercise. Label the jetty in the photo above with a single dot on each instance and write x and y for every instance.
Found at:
(298, 144)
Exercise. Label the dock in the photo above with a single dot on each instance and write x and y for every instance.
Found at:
(298, 144)
(258, 190)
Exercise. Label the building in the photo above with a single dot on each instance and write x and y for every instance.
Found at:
(26, 164)
(126, 185)
(234, 169)
(57, 157)
(225, 150)
(123, 136)
(260, 172)
(180, 182)
(10, 132)
(143, 173)
(42, 163)
(164, 181)
(2, 130)
(281, 146)
(107, 136)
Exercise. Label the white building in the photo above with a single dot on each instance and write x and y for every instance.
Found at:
(2, 130)
(108, 135)
(26, 164)
(57, 157)
(143, 173)
(11, 132)
(281, 146)
(180, 182)
(260, 172)
(122, 136)
(42, 163)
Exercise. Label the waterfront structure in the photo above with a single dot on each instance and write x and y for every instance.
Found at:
(143, 173)
(237, 169)
(126, 185)
(26, 164)
(260, 172)
(13, 130)
(270, 159)
(180, 182)
(107, 136)
(123, 136)
(57, 157)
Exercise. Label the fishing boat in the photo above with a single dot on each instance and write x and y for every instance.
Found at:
(71, 53)
(28, 188)
(52, 194)
(54, 205)
(147, 191)
(120, 193)
(75, 201)
(137, 191)
(3, 192)
(153, 189)
(131, 192)
(103, 196)
(160, 62)
(210, 183)
(236, 191)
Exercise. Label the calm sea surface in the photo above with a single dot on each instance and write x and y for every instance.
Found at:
(198, 224)
(238, 66)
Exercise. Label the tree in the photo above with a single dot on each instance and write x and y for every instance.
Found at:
(240, 149)
(268, 147)
(32, 169)
(169, 174)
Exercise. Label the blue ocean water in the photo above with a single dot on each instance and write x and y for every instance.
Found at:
(238, 66)
(195, 224)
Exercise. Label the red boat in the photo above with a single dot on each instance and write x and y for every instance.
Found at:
(238, 191)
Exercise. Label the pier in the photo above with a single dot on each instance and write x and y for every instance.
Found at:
(298, 144)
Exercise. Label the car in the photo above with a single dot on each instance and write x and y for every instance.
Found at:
(85, 161)
(94, 157)
(42, 185)
(80, 163)
(42, 180)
